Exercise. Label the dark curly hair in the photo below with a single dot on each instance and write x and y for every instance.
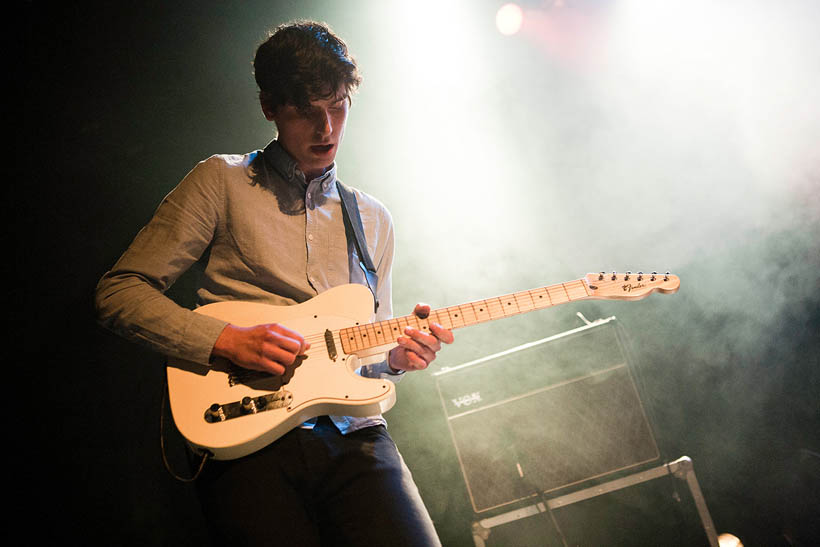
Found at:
(303, 61)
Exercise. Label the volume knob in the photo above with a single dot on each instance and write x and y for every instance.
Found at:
(215, 413)
(248, 405)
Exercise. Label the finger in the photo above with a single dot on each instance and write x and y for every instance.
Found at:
(416, 362)
(445, 335)
(264, 364)
(422, 337)
(286, 338)
(289, 333)
(278, 354)
(414, 347)
(272, 367)
(421, 311)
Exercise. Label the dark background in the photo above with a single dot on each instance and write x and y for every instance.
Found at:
(120, 102)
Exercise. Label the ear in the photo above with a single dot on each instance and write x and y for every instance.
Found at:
(269, 114)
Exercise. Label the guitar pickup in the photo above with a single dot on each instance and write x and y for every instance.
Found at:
(248, 405)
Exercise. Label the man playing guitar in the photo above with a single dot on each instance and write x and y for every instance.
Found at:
(269, 227)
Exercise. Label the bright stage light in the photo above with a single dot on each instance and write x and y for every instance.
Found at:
(509, 19)
(728, 540)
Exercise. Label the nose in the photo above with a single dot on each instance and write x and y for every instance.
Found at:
(324, 125)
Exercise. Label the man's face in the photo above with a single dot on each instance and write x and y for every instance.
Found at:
(312, 135)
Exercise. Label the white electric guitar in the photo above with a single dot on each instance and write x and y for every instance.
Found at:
(231, 412)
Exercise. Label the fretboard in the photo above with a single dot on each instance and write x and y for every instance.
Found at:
(363, 337)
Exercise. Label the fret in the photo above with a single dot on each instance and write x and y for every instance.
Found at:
(495, 306)
(538, 299)
(542, 297)
(510, 306)
(467, 314)
(356, 335)
(442, 318)
(381, 336)
(395, 328)
(468, 311)
(373, 333)
(524, 301)
(456, 317)
(557, 293)
(424, 325)
(481, 312)
(360, 335)
(367, 335)
(350, 342)
(436, 316)
(577, 290)
(401, 324)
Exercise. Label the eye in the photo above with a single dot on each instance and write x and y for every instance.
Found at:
(305, 111)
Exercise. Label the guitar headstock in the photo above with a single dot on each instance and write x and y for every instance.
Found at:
(630, 286)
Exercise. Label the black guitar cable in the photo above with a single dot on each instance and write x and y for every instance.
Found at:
(205, 456)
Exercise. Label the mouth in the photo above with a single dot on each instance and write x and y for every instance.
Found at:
(322, 149)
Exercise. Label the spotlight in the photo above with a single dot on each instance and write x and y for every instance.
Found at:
(729, 540)
(508, 19)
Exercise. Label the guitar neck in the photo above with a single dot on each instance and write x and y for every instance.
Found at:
(370, 335)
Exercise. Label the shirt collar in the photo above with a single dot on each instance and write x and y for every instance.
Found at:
(286, 166)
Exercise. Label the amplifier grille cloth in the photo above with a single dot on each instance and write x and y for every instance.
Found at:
(539, 419)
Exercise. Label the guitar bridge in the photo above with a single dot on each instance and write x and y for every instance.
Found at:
(331, 345)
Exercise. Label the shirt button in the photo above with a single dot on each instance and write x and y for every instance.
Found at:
(310, 237)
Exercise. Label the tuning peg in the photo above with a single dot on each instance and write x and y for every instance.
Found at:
(601, 276)
(626, 277)
(666, 277)
(653, 276)
(614, 276)
(640, 276)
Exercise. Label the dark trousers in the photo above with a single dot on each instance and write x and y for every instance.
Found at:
(317, 487)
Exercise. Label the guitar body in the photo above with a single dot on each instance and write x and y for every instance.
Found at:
(232, 412)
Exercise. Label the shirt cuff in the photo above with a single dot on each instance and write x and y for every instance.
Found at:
(200, 337)
(382, 371)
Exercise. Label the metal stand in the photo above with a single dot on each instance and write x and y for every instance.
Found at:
(681, 468)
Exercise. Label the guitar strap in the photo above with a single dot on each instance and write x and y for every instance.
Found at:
(355, 231)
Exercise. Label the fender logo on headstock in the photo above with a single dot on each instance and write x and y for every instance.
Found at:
(628, 287)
